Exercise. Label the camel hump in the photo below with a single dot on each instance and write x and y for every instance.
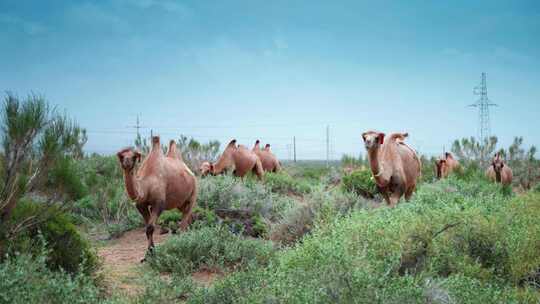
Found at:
(232, 143)
(267, 147)
(398, 136)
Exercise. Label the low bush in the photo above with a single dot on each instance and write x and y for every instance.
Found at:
(108, 208)
(454, 242)
(64, 179)
(68, 250)
(227, 192)
(285, 184)
(209, 248)
(27, 279)
(319, 208)
(360, 182)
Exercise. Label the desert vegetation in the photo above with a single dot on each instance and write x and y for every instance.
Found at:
(304, 234)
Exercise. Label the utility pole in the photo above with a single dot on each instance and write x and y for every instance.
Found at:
(294, 147)
(483, 105)
(327, 146)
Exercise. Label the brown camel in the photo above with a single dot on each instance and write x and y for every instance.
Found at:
(161, 183)
(395, 166)
(240, 159)
(269, 161)
(445, 166)
(499, 172)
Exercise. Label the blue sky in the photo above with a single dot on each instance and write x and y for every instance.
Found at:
(277, 69)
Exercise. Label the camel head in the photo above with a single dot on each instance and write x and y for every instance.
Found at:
(373, 139)
(497, 163)
(256, 147)
(155, 142)
(206, 168)
(440, 163)
(128, 158)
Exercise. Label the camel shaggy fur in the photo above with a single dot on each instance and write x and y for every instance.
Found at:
(395, 166)
(161, 183)
(499, 172)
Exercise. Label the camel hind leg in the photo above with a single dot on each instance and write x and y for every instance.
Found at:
(409, 193)
(258, 170)
(187, 211)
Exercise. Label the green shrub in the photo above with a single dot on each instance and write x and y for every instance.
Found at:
(227, 192)
(108, 209)
(285, 184)
(360, 182)
(68, 250)
(64, 178)
(456, 241)
(170, 219)
(27, 279)
(204, 218)
(210, 247)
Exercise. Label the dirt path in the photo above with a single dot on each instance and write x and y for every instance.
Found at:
(122, 268)
(122, 261)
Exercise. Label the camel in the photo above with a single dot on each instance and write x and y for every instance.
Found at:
(269, 161)
(499, 172)
(161, 183)
(445, 166)
(395, 166)
(238, 158)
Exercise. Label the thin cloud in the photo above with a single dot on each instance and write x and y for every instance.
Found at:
(166, 5)
(29, 27)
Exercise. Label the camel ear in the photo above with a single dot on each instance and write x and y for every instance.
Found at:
(120, 155)
(364, 136)
(405, 135)
(381, 138)
(138, 156)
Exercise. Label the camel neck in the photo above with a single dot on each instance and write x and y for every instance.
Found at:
(129, 180)
(373, 155)
(498, 176)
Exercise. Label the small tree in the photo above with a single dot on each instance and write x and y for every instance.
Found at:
(194, 153)
(470, 150)
(523, 163)
(34, 138)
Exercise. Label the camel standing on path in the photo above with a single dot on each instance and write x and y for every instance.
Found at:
(395, 166)
(161, 183)
(238, 158)
(499, 172)
(269, 161)
(445, 166)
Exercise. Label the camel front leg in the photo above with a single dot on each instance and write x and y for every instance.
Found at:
(143, 210)
(155, 212)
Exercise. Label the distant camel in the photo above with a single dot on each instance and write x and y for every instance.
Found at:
(499, 172)
(269, 161)
(395, 166)
(161, 183)
(238, 158)
(446, 165)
